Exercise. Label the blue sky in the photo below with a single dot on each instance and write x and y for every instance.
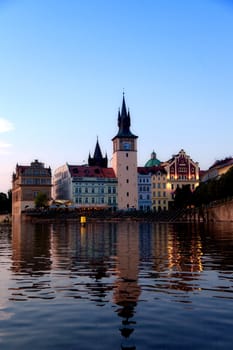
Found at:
(64, 65)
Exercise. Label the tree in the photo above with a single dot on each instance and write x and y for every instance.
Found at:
(3, 203)
(213, 190)
(41, 200)
(183, 197)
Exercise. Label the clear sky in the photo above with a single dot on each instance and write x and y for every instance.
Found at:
(64, 65)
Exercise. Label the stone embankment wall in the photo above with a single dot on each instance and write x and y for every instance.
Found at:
(220, 212)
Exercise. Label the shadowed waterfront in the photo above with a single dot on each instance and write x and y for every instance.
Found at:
(125, 285)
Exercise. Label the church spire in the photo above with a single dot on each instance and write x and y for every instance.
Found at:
(124, 121)
(98, 159)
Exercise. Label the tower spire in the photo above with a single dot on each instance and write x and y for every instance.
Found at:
(98, 159)
(124, 121)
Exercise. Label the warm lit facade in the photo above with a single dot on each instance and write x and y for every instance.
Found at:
(124, 162)
(27, 182)
(181, 170)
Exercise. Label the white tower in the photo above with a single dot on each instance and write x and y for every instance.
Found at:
(124, 161)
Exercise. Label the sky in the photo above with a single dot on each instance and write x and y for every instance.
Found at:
(64, 65)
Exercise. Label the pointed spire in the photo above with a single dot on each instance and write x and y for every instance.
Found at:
(124, 121)
(123, 108)
(98, 159)
(97, 153)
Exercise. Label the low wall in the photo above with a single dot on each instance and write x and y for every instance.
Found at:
(220, 212)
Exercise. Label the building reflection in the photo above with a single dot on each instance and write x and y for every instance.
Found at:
(178, 251)
(30, 247)
(89, 254)
(127, 289)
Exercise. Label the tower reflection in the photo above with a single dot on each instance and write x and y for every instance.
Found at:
(127, 290)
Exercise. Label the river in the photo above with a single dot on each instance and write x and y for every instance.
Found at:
(125, 285)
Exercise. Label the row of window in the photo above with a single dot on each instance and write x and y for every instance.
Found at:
(159, 202)
(37, 172)
(95, 200)
(95, 190)
(174, 187)
(183, 177)
(159, 194)
(141, 197)
(35, 181)
(159, 185)
(144, 189)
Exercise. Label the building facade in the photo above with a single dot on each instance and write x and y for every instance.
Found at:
(27, 182)
(86, 186)
(181, 170)
(159, 195)
(219, 168)
(144, 189)
(124, 161)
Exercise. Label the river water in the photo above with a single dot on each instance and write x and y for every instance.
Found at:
(125, 285)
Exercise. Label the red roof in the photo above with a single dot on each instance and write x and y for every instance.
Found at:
(91, 171)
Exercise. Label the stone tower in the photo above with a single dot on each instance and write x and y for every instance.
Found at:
(124, 161)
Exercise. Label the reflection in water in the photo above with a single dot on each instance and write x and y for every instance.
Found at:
(127, 290)
(127, 265)
(30, 247)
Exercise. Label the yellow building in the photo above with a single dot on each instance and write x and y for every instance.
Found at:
(159, 194)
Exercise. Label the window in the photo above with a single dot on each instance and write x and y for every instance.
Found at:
(127, 194)
(127, 168)
(127, 181)
(126, 154)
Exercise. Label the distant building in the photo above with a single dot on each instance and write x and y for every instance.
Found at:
(153, 161)
(27, 182)
(87, 186)
(181, 170)
(216, 170)
(124, 161)
(152, 188)
(144, 189)
(98, 159)
(159, 191)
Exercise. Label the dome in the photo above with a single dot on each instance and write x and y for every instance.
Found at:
(153, 161)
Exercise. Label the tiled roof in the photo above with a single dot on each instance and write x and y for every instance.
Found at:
(152, 170)
(91, 171)
(222, 163)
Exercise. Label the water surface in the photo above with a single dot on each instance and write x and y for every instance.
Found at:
(116, 286)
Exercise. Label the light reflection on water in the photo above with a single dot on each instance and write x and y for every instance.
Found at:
(124, 285)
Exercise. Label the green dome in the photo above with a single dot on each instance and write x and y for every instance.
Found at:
(153, 161)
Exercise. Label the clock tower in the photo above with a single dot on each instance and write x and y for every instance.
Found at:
(124, 161)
